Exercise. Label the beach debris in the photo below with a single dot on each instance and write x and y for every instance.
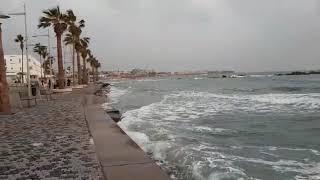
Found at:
(91, 141)
(37, 144)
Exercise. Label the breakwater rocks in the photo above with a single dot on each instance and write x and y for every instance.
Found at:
(114, 114)
(298, 73)
(105, 88)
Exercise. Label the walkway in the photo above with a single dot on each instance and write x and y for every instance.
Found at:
(49, 141)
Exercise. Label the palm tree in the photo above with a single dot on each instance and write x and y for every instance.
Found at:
(73, 38)
(44, 55)
(98, 65)
(20, 39)
(46, 66)
(42, 51)
(92, 62)
(59, 21)
(5, 106)
(84, 53)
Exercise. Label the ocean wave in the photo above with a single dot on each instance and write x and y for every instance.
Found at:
(115, 93)
(256, 103)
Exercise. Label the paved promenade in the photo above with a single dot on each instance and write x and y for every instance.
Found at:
(49, 141)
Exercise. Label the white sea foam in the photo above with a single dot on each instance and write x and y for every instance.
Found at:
(204, 129)
(114, 95)
(140, 138)
(261, 75)
(313, 151)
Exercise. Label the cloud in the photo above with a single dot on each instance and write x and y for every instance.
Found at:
(246, 35)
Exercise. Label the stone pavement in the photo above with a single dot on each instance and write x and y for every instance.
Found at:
(48, 141)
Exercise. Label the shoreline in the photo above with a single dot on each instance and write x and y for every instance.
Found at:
(120, 156)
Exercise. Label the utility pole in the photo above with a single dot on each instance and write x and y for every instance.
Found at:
(27, 54)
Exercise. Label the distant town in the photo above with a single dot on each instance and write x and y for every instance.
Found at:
(14, 68)
(145, 73)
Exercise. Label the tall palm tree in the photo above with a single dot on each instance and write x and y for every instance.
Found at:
(98, 65)
(84, 43)
(91, 60)
(44, 55)
(73, 38)
(95, 65)
(5, 106)
(42, 51)
(46, 66)
(20, 39)
(59, 21)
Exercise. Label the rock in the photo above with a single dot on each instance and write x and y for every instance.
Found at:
(114, 114)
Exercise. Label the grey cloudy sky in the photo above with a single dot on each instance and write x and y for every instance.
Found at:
(172, 35)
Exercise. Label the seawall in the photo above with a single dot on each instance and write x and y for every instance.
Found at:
(120, 157)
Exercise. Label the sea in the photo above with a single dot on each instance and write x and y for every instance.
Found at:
(258, 127)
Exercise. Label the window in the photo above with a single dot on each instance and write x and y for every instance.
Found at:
(19, 60)
(10, 60)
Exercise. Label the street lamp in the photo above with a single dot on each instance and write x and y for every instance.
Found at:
(4, 89)
(24, 13)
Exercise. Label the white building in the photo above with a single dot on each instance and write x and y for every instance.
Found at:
(14, 66)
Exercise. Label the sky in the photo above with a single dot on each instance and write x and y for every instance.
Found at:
(182, 35)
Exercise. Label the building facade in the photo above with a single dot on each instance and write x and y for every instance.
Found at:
(14, 67)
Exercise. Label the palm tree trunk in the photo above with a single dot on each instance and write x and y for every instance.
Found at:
(22, 80)
(60, 63)
(94, 80)
(40, 67)
(96, 74)
(79, 67)
(84, 71)
(4, 89)
(73, 65)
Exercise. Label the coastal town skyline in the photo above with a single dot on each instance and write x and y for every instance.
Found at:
(158, 35)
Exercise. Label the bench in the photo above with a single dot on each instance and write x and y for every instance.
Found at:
(46, 93)
(24, 97)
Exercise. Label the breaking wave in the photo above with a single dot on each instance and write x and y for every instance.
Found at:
(114, 95)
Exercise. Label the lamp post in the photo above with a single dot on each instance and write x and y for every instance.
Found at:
(27, 54)
(4, 89)
(49, 48)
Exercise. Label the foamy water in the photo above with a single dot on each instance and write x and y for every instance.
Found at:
(206, 135)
